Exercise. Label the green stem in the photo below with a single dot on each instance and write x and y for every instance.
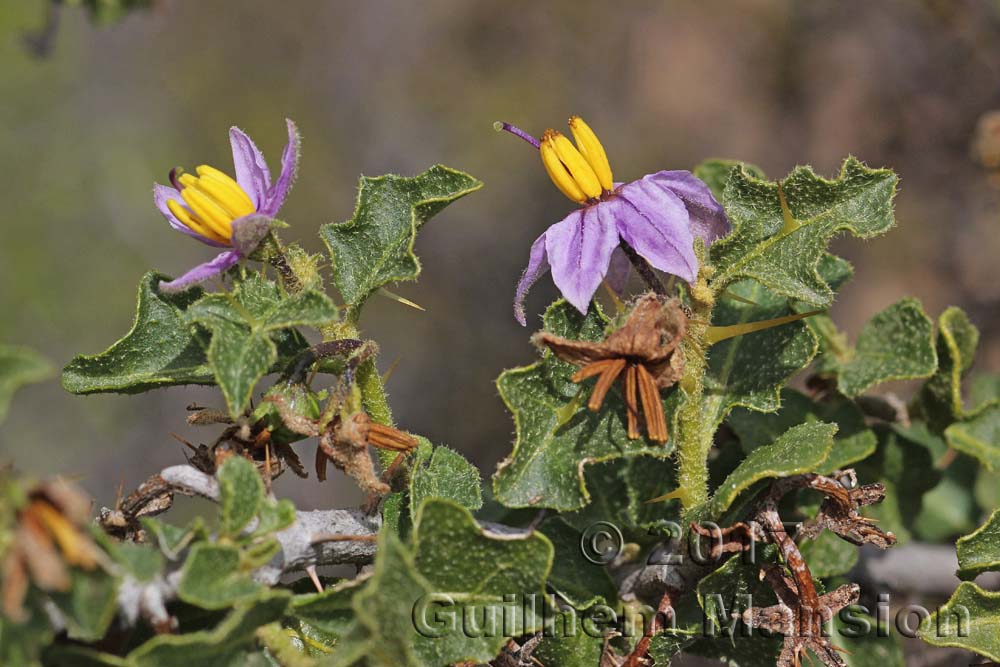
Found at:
(694, 434)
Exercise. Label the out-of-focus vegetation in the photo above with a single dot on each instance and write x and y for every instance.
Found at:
(108, 107)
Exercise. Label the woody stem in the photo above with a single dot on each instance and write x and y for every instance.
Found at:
(644, 270)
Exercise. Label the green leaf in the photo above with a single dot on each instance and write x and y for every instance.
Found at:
(715, 172)
(800, 449)
(580, 581)
(172, 540)
(557, 436)
(569, 646)
(22, 643)
(89, 605)
(223, 645)
(978, 436)
(159, 351)
(212, 579)
(896, 344)
(439, 472)
(274, 515)
(979, 551)
(867, 649)
(324, 616)
(142, 561)
(969, 620)
(750, 370)
(250, 327)
(854, 441)
(375, 247)
(940, 398)
(241, 492)
(19, 366)
(410, 612)
(783, 254)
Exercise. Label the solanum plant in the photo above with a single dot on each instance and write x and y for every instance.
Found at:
(695, 467)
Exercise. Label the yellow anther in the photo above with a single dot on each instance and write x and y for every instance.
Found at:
(557, 170)
(592, 150)
(213, 215)
(235, 205)
(192, 222)
(231, 186)
(577, 166)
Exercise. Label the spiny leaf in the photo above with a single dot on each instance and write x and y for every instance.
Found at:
(715, 172)
(403, 610)
(19, 366)
(781, 249)
(896, 344)
(375, 247)
(800, 449)
(557, 436)
(969, 620)
(160, 349)
(250, 327)
(979, 551)
(978, 436)
(750, 370)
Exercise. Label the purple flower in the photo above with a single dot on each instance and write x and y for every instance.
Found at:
(225, 213)
(658, 216)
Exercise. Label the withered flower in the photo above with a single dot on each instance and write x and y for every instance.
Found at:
(644, 348)
(48, 537)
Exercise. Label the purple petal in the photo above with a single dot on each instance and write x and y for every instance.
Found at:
(708, 218)
(579, 250)
(252, 173)
(618, 271)
(655, 222)
(289, 167)
(161, 195)
(199, 274)
(538, 264)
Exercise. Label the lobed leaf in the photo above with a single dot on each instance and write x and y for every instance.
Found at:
(783, 253)
(556, 435)
(969, 621)
(375, 247)
(439, 472)
(979, 551)
(211, 577)
(940, 398)
(978, 436)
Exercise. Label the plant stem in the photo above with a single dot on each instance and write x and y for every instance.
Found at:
(644, 270)
(694, 434)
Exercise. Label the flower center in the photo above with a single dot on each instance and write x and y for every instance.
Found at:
(213, 201)
(581, 172)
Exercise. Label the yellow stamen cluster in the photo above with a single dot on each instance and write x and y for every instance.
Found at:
(581, 172)
(213, 201)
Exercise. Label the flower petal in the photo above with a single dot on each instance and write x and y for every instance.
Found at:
(538, 264)
(161, 195)
(199, 274)
(708, 218)
(618, 271)
(655, 222)
(579, 250)
(252, 173)
(289, 167)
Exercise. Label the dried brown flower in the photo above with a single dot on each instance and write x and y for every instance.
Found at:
(645, 348)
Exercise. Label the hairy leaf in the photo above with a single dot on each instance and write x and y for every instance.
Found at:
(249, 327)
(978, 436)
(375, 247)
(781, 249)
(160, 350)
(241, 492)
(715, 172)
(750, 370)
(557, 436)
(969, 620)
(896, 344)
(212, 579)
(410, 613)
(940, 399)
(828, 555)
(439, 472)
(800, 449)
(89, 605)
(19, 366)
(979, 551)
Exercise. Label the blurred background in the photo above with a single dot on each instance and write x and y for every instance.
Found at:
(93, 113)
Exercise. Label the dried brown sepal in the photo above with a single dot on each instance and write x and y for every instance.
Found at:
(730, 540)
(843, 497)
(645, 347)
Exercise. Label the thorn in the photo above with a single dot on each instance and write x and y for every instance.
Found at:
(311, 571)
(183, 442)
(677, 493)
(403, 300)
(791, 224)
(619, 306)
(718, 334)
(737, 297)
